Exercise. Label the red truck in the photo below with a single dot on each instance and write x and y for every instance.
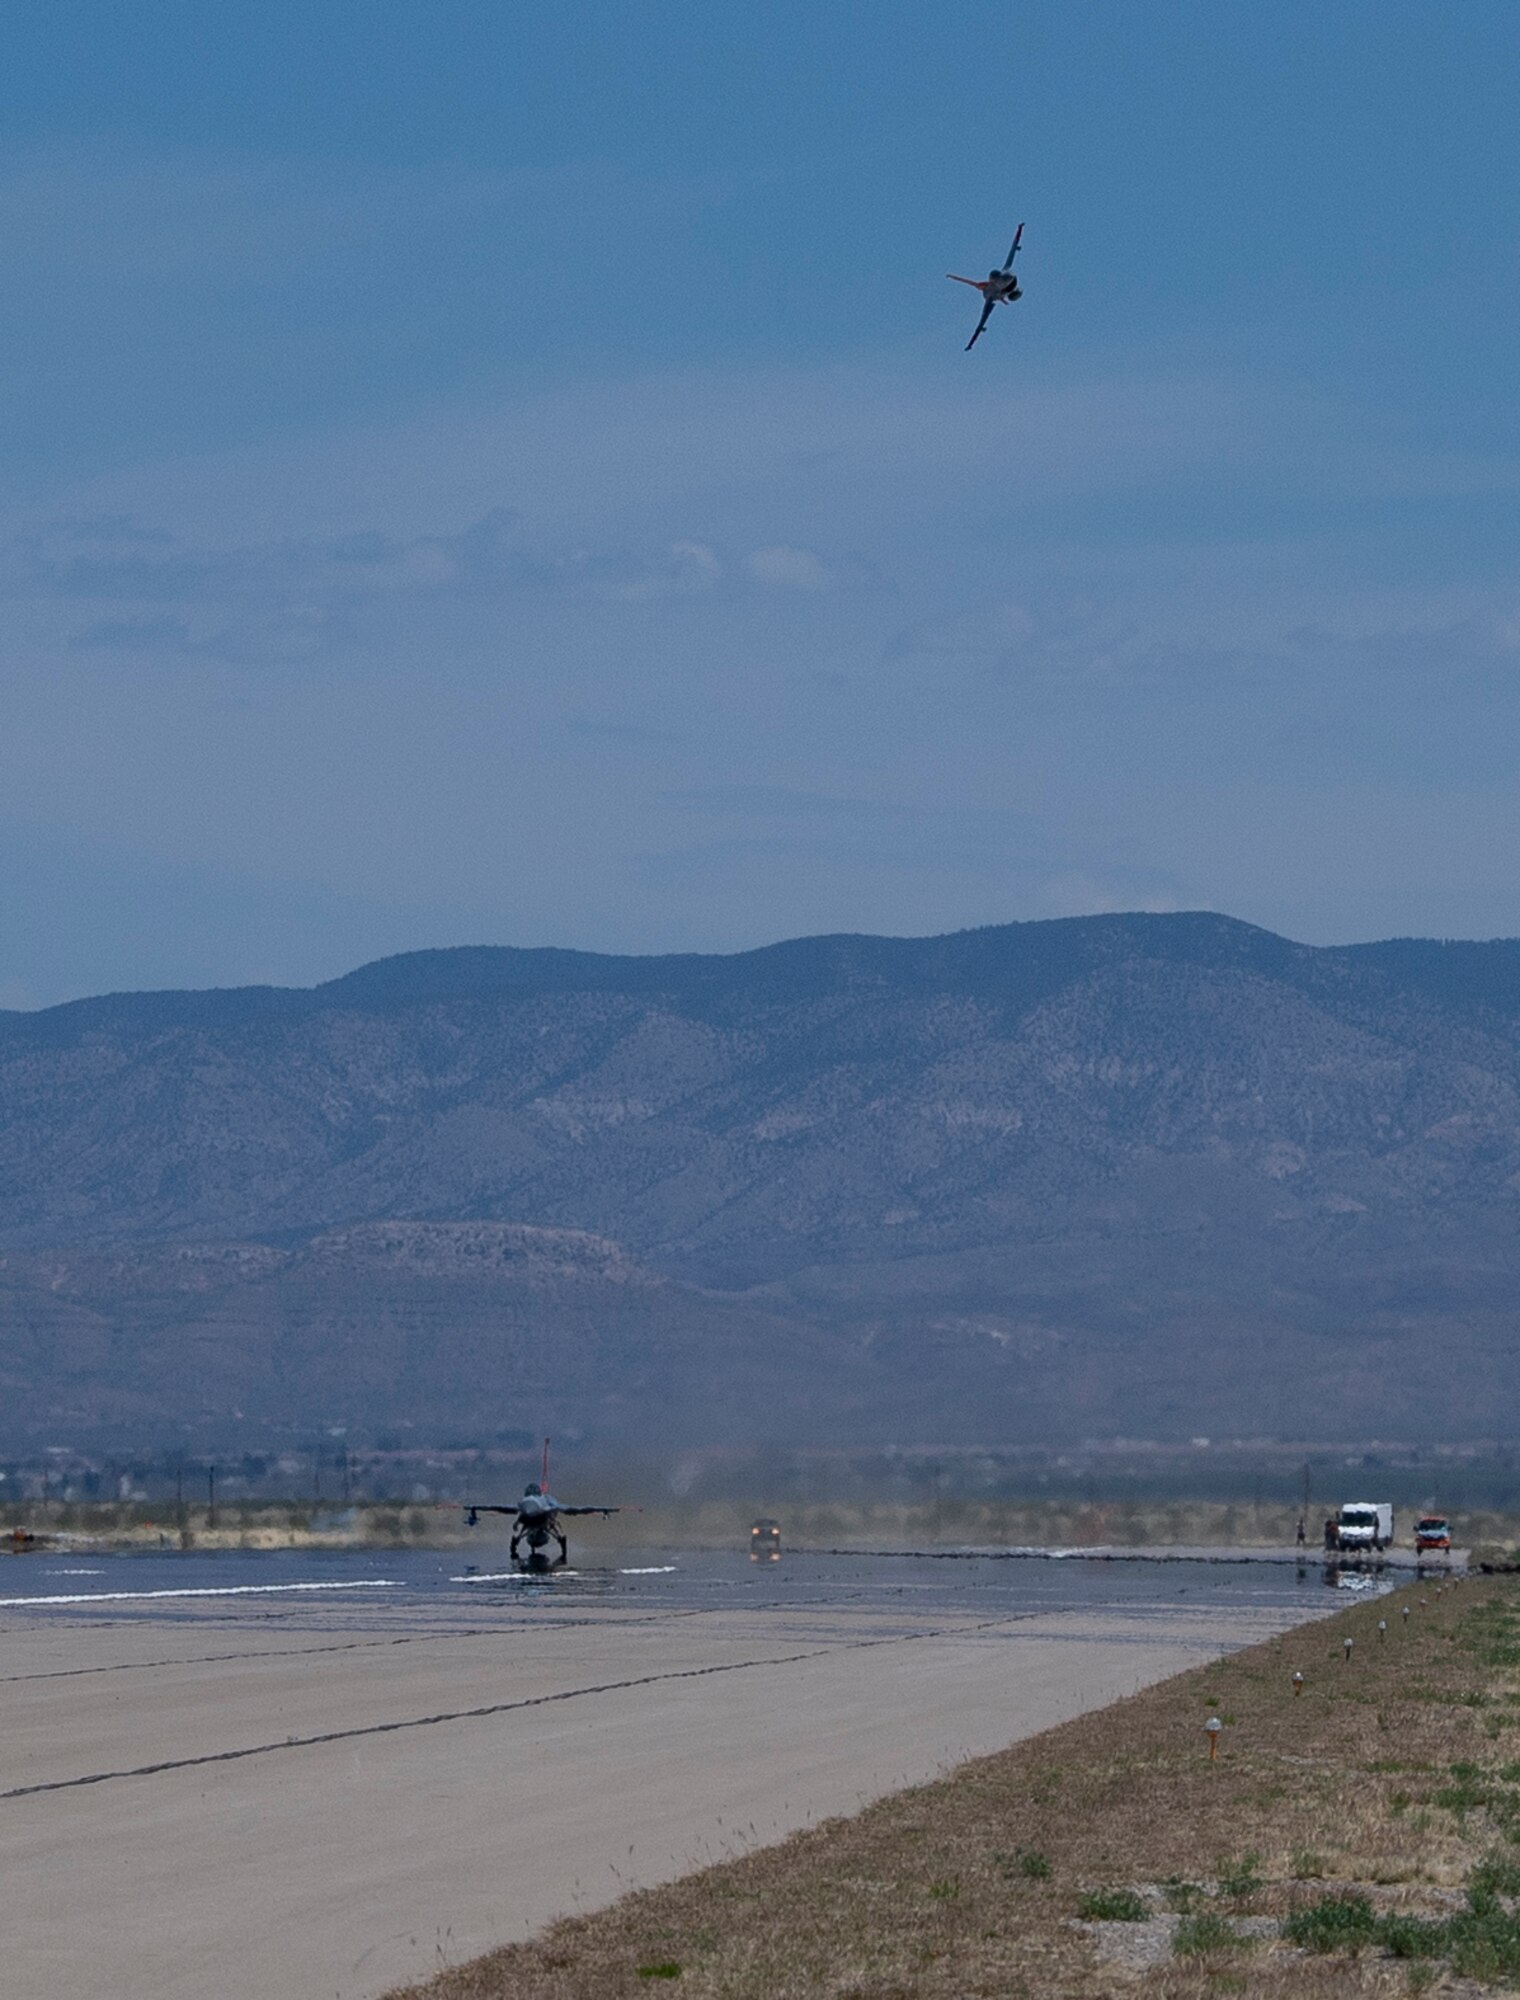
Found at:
(1432, 1531)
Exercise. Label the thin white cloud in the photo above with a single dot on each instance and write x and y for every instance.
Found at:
(306, 583)
(784, 568)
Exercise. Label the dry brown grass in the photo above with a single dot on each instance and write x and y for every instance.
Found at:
(928, 1895)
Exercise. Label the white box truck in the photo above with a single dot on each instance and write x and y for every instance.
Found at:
(1365, 1524)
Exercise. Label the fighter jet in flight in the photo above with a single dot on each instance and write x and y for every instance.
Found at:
(535, 1521)
(998, 288)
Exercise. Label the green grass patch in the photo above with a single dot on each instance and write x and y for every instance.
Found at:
(1498, 1875)
(1182, 1896)
(1411, 1937)
(1342, 1922)
(1113, 1906)
(1240, 1878)
(1481, 1942)
(1202, 1935)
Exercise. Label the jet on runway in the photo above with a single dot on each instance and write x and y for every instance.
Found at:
(535, 1521)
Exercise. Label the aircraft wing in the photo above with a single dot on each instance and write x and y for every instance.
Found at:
(603, 1511)
(474, 1507)
(986, 315)
(1018, 237)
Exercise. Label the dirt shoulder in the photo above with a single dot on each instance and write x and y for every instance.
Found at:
(1361, 1836)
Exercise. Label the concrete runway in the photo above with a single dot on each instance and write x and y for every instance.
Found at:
(248, 1802)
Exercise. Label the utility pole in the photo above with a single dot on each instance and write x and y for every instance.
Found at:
(210, 1496)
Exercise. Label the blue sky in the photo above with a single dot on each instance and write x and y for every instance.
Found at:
(484, 474)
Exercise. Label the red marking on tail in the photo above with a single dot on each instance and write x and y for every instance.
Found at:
(543, 1484)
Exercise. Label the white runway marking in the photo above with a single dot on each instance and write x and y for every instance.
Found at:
(663, 1569)
(515, 1576)
(223, 1590)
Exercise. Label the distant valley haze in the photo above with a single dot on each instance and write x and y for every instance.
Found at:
(1126, 1175)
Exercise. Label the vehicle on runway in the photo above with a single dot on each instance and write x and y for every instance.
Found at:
(535, 1521)
(765, 1541)
(998, 288)
(1365, 1524)
(1432, 1531)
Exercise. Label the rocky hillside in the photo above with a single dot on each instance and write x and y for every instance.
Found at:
(449, 1328)
(1158, 1174)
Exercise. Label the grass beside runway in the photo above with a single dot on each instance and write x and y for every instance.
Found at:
(1359, 1837)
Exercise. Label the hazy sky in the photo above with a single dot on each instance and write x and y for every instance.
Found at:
(476, 472)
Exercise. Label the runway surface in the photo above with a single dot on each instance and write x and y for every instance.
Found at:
(264, 1776)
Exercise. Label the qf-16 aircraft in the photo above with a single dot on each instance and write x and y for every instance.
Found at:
(535, 1520)
(998, 288)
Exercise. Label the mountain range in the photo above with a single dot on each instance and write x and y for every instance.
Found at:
(1139, 1175)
